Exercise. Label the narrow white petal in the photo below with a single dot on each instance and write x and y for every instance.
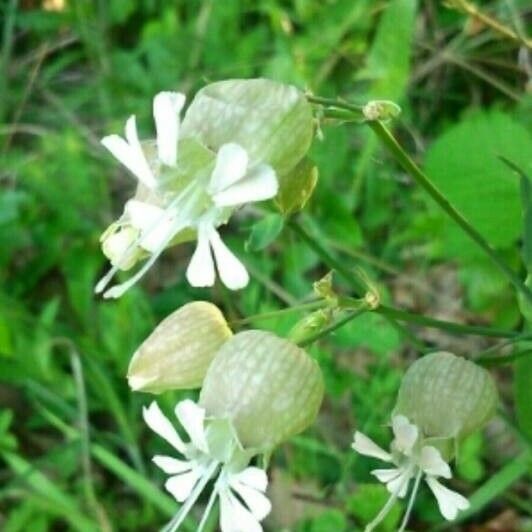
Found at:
(161, 425)
(180, 486)
(386, 475)
(399, 485)
(232, 272)
(230, 166)
(364, 445)
(405, 433)
(156, 224)
(432, 463)
(234, 516)
(192, 417)
(255, 477)
(449, 502)
(142, 214)
(200, 271)
(143, 170)
(172, 466)
(258, 185)
(166, 109)
(257, 503)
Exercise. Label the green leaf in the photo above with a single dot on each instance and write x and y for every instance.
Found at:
(388, 63)
(523, 394)
(264, 232)
(329, 521)
(59, 500)
(272, 121)
(497, 484)
(463, 163)
(366, 503)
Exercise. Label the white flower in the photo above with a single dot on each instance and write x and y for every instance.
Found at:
(201, 206)
(241, 489)
(415, 460)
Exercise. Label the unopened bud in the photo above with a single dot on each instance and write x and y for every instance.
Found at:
(267, 386)
(446, 396)
(178, 352)
(118, 245)
(380, 110)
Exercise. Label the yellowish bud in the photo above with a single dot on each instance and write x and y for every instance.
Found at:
(178, 352)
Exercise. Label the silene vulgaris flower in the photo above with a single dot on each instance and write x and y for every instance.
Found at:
(212, 454)
(180, 198)
(415, 459)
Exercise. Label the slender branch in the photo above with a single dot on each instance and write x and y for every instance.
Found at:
(336, 325)
(474, 12)
(312, 305)
(389, 312)
(449, 326)
(421, 179)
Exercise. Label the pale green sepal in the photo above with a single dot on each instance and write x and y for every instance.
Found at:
(270, 388)
(446, 396)
(178, 352)
(272, 121)
(297, 187)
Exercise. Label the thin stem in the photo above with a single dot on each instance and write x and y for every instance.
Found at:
(332, 327)
(421, 179)
(411, 501)
(389, 312)
(313, 305)
(178, 519)
(449, 326)
(208, 508)
(474, 12)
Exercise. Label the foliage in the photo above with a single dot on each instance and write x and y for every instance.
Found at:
(74, 452)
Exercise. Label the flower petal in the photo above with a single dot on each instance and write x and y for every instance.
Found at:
(161, 425)
(232, 272)
(255, 477)
(180, 486)
(200, 270)
(230, 166)
(367, 447)
(254, 498)
(386, 475)
(129, 152)
(234, 516)
(432, 463)
(399, 485)
(172, 466)
(449, 502)
(192, 417)
(142, 214)
(405, 433)
(156, 224)
(258, 185)
(166, 109)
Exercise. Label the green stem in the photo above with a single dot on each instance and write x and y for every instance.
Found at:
(312, 305)
(389, 312)
(336, 325)
(449, 326)
(407, 163)
(422, 179)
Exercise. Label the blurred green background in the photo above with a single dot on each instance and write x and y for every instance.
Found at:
(74, 452)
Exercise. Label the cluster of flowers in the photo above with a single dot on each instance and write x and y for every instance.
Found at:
(242, 142)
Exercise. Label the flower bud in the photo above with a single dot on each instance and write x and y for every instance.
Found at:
(178, 352)
(381, 110)
(267, 386)
(118, 245)
(446, 396)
